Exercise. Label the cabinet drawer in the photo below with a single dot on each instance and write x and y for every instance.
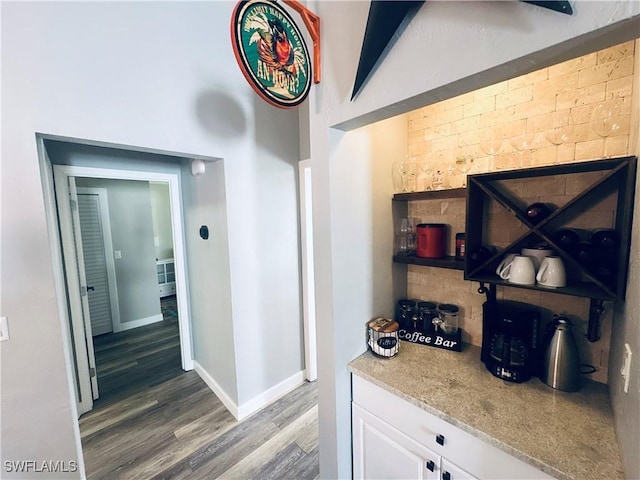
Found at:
(167, 289)
(463, 449)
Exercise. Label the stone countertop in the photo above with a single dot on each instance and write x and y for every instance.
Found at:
(567, 435)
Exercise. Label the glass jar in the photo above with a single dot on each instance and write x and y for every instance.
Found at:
(405, 310)
(426, 312)
(437, 180)
(447, 318)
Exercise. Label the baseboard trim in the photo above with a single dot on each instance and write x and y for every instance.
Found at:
(216, 389)
(122, 326)
(256, 403)
(262, 400)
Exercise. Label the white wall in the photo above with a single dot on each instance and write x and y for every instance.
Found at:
(159, 75)
(161, 215)
(449, 48)
(132, 234)
(626, 327)
(204, 199)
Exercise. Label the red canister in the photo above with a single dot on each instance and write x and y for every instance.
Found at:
(432, 240)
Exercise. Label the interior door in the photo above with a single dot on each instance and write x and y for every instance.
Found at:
(84, 293)
(95, 263)
(69, 220)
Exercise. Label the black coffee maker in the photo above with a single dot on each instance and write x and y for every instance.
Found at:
(510, 332)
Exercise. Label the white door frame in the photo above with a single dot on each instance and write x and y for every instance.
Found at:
(78, 319)
(184, 320)
(48, 192)
(105, 221)
(308, 286)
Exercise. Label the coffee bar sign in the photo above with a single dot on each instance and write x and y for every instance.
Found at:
(271, 52)
(447, 342)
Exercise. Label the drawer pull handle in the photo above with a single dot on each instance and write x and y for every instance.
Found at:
(446, 476)
(431, 466)
(440, 440)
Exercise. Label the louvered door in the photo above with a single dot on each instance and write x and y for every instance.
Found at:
(95, 263)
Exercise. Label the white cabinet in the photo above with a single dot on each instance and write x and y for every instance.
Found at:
(381, 451)
(451, 471)
(166, 277)
(393, 438)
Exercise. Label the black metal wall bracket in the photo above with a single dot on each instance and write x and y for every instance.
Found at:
(596, 309)
(489, 291)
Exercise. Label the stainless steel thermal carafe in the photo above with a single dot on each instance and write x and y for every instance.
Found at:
(561, 360)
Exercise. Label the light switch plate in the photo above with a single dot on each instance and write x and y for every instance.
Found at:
(4, 329)
(117, 254)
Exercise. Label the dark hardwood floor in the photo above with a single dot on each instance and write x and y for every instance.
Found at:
(155, 421)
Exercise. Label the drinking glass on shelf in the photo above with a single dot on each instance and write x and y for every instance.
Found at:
(408, 174)
(437, 180)
(396, 176)
(491, 142)
(464, 164)
(425, 167)
(523, 142)
(406, 236)
(560, 128)
(606, 118)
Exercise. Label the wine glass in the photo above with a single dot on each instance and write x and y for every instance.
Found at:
(560, 128)
(464, 164)
(425, 167)
(523, 142)
(408, 175)
(396, 176)
(491, 142)
(605, 119)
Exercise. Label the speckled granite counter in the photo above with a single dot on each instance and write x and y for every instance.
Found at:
(567, 435)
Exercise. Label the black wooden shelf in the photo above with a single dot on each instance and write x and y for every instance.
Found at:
(431, 195)
(574, 288)
(447, 262)
(618, 176)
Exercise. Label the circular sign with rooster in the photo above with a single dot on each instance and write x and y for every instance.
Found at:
(271, 52)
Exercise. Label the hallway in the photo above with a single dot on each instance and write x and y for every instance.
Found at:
(155, 421)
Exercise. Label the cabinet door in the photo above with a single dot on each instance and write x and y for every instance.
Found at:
(382, 452)
(161, 275)
(453, 472)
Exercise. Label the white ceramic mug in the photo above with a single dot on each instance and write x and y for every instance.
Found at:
(520, 270)
(504, 262)
(537, 254)
(552, 273)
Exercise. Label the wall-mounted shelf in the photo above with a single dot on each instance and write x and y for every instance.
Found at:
(446, 262)
(431, 195)
(400, 202)
(610, 177)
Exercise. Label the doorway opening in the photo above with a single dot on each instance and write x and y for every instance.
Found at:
(141, 347)
(60, 178)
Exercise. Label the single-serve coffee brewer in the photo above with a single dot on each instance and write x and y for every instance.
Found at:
(510, 332)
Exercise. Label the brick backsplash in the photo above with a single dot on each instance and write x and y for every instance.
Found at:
(462, 126)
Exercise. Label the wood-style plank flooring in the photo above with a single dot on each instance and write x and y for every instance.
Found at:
(154, 421)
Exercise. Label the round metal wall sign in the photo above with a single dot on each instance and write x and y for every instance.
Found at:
(271, 52)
